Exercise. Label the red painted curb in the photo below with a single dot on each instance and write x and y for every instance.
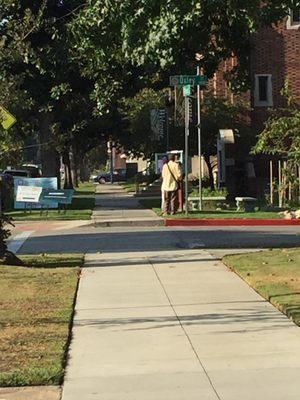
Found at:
(230, 222)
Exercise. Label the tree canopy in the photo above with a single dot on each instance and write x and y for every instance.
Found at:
(126, 44)
(72, 61)
(52, 97)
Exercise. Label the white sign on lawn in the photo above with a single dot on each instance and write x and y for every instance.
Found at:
(29, 194)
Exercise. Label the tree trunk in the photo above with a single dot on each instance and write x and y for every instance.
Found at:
(72, 157)
(68, 184)
(84, 171)
(49, 155)
(210, 171)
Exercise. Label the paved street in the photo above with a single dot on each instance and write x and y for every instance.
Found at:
(119, 223)
(84, 238)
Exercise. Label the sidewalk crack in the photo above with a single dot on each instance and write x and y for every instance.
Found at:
(184, 330)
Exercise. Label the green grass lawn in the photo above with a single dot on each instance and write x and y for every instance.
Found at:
(275, 274)
(226, 214)
(129, 187)
(231, 213)
(85, 188)
(36, 312)
(81, 208)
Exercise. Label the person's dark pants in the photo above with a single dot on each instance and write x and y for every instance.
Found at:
(171, 201)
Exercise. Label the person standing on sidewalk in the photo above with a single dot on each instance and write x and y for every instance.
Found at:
(171, 174)
(179, 197)
(165, 160)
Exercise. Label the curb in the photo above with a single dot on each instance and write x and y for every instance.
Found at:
(127, 223)
(231, 222)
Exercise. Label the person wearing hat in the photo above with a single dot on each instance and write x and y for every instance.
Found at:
(171, 175)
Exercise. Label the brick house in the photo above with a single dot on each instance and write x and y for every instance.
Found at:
(275, 56)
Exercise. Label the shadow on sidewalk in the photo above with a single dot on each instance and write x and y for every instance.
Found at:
(156, 240)
(244, 320)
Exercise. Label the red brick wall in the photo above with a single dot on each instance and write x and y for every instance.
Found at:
(275, 51)
(218, 85)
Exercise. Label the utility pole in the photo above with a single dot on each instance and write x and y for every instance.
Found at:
(111, 162)
(199, 142)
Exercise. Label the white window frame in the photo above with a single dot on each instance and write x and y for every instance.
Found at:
(290, 24)
(269, 101)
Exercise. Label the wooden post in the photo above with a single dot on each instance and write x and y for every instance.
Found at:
(299, 185)
(284, 182)
(271, 183)
(290, 185)
(1, 195)
(279, 185)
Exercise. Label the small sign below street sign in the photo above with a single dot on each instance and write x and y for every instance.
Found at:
(7, 120)
(187, 90)
(192, 80)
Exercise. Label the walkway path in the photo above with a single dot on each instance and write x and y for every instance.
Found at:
(115, 207)
(176, 325)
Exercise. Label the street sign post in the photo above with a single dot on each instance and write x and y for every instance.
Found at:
(7, 120)
(186, 81)
(187, 127)
(192, 80)
(199, 142)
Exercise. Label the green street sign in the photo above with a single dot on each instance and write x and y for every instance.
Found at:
(7, 120)
(187, 90)
(192, 80)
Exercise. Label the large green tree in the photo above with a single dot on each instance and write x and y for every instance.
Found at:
(126, 44)
(35, 52)
(136, 111)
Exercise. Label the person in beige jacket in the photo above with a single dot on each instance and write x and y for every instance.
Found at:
(171, 175)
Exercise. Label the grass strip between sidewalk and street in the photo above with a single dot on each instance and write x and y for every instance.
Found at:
(85, 188)
(154, 204)
(274, 274)
(129, 187)
(81, 208)
(37, 303)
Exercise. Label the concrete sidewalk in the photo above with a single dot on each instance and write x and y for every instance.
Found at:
(177, 325)
(115, 207)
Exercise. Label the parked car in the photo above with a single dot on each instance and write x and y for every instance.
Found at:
(16, 172)
(118, 176)
(33, 169)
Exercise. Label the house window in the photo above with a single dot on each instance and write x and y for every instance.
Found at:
(263, 91)
(295, 15)
(293, 21)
